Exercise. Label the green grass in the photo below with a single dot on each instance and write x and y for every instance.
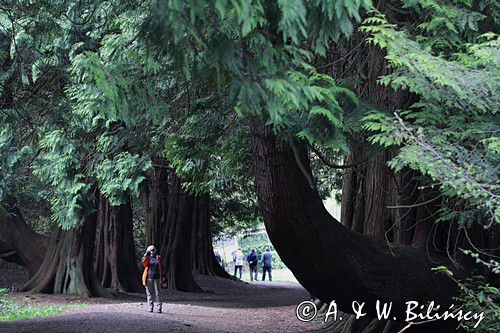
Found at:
(279, 275)
(10, 310)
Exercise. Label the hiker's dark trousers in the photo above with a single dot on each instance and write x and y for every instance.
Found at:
(264, 270)
(253, 271)
(236, 269)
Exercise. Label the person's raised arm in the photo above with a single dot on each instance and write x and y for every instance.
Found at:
(145, 259)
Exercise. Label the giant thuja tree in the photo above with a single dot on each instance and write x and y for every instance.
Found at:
(210, 154)
(78, 155)
(413, 206)
(145, 101)
(271, 82)
(449, 134)
(29, 88)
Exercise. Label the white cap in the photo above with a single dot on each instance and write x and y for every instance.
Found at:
(151, 248)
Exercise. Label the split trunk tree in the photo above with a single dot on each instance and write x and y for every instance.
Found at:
(115, 262)
(173, 215)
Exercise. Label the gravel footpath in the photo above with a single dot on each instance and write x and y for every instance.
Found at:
(227, 306)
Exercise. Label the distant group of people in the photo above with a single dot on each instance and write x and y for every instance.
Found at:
(153, 278)
(253, 259)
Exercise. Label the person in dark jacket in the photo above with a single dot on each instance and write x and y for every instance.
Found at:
(218, 257)
(267, 264)
(152, 276)
(252, 264)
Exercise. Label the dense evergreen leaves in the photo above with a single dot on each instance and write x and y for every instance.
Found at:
(450, 61)
(96, 96)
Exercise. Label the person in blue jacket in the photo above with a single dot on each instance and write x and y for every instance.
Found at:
(267, 264)
(252, 264)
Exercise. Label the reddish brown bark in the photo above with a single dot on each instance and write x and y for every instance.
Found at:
(176, 246)
(155, 197)
(335, 263)
(115, 263)
(202, 252)
(178, 222)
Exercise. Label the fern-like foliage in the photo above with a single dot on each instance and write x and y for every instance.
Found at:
(451, 133)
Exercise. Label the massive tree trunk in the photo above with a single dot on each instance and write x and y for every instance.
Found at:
(115, 263)
(155, 196)
(375, 200)
(335, 263)
(401, 207)
(202, 252)
(396, 207)
(18, 241)
(176, 245)
(173, 215)
(68, 264)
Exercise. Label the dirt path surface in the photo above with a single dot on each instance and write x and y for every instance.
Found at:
(228, 306)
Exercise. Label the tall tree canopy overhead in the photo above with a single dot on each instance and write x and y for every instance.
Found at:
(212, 106)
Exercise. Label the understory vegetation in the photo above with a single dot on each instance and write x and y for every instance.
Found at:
(10, 310)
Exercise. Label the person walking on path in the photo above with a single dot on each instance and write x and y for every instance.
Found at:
(267, 264)
(218, 257)
(151, 277)
(238, 261)
(252, 264)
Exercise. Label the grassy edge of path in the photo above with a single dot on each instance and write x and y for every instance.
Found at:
(12, 310)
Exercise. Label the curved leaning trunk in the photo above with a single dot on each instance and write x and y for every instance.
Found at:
(329, 260)
(19, 241)
(115, 263)
(68, 264)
